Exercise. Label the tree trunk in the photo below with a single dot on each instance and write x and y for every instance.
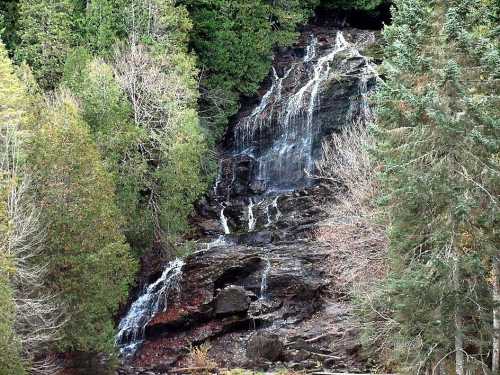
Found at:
(496, 317)
(459, 344)
(459, 337)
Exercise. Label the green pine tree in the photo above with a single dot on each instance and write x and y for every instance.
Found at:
(45, 32)
(438, 144)
(103, 24)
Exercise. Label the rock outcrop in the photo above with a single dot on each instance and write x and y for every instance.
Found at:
(257, 289)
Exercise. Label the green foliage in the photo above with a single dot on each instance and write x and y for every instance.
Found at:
(89, 262)
(234, 42)
(103, 24)
(45, 31)
(10, 361)
(104, 105)
(8, 23)
(107, 111)
(438, 145)
(162, 24)
(159, 77)
(181, 177)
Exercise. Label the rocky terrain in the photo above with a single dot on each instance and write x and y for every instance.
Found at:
(258, 291)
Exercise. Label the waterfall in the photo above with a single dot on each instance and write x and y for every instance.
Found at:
(313, 92)
(251, 218)
(360, 111)
(223, 221)
(311, 49)
(263, 281)
(219, 241)
(366, 110)
(131, 328)
(247, 128)
(279, 134)
(270, 206)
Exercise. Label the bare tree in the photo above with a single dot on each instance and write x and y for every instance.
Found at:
(351, 228)
(158, 96)
(459, 323)
(38, 318)
(161, 101)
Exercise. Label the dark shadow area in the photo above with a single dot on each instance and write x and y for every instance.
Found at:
(234, 275)
(360, 19)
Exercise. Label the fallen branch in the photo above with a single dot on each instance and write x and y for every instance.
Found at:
(317, 338)
(194, 369)
(326, 356)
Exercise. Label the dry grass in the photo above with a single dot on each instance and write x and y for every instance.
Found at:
(199, 359)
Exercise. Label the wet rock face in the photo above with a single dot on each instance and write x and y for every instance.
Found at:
(232, 300)
(221, 292)
(315, 88)
(256, 280)
(253, 291)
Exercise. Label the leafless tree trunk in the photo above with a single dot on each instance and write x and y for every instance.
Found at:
(459, 337)
(496, 316)
(38, 318)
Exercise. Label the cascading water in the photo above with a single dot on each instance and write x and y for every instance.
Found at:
(311, 49)
(272, 152)
(288, 161)
(274, 148)
(219, 241)
(263, 281)
(251, 217)
(131, 328)
(223, 221)
(273, 206)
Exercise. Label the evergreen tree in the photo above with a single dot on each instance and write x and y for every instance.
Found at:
(108, 112)
(234, 42)
(8, 23)
(438, 144)
(10, 360)
(45, 31)
(90, 267)
(103, 23)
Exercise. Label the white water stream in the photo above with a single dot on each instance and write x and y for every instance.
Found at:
(288, 161)
(154, 299)
(263, 282)
(223, 221)
(251, 217)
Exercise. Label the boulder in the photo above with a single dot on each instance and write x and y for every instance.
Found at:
(231, 300)
(264, 346)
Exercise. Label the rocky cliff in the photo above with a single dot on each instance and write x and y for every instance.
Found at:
(258, 290)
